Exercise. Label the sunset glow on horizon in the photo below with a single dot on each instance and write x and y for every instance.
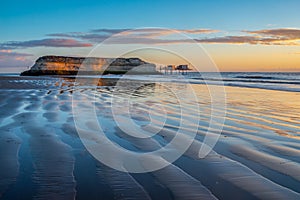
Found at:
(237, 37)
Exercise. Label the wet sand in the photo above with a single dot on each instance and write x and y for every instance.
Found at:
(42, 157)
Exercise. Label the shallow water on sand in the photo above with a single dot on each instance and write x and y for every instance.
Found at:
(256, 157)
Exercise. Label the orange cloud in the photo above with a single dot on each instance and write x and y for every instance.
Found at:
(287, 33)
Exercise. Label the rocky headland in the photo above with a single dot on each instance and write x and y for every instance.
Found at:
(61, 65)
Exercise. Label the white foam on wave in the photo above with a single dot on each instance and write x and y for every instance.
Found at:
(206, 80)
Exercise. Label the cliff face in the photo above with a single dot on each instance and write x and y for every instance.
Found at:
(60, 65)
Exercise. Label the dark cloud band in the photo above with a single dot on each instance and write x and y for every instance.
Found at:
(51, 42)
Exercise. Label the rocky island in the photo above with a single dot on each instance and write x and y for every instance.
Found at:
(61, 65)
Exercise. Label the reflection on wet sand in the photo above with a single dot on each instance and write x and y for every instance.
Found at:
(256, 157)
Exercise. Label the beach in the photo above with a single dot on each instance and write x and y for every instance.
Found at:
(257, 155)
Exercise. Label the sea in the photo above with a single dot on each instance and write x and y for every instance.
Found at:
(284, 81)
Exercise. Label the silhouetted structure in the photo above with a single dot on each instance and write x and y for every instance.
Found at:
(182, 69)
(172, 69)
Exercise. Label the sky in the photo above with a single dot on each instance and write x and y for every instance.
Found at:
(237, 35)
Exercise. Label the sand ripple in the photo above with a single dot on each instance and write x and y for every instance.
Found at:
(256, 157)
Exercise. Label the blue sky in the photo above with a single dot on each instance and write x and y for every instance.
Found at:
(35, 20)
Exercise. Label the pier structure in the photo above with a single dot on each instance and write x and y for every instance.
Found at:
(172, 69)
